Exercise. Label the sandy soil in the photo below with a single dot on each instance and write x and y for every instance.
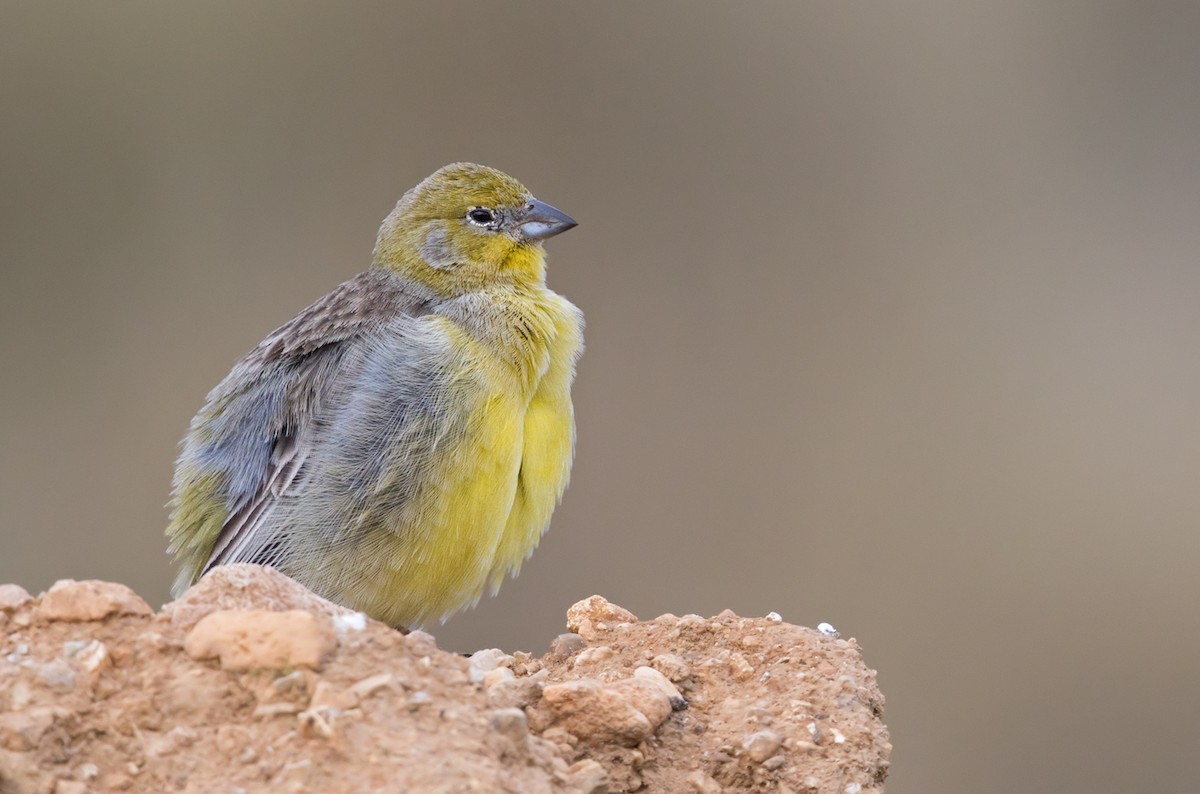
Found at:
(250, 683)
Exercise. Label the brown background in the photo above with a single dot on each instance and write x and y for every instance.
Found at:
(893, 317)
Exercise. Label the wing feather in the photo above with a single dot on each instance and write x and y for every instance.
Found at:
(247, 448)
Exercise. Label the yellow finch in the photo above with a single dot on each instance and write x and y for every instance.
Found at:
(401, 443)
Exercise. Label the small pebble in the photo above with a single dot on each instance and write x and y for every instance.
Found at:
(828, 630)
(761, 745)
(739, 668)
(649, 674)
(672, 666)
(90, 600)
(13, 596)
(588, 776)
(420, 642)
(597, 714)
(268, 710)
(597, 610)
(367, 686)
(483, 662)
(515, 693)
(93, 656)
(494, 677)
(349, 621)
(566, 644)
(595, 655)
(249, 639)
(701, 783)
(57, 673)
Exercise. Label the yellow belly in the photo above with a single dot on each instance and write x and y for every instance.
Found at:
(483, 509)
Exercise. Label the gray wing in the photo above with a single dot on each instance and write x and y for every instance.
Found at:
(248, 447)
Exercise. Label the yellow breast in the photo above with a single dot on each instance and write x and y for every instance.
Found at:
(484, 509)
(548, 447)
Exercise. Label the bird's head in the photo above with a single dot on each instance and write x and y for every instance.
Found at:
(467, 227)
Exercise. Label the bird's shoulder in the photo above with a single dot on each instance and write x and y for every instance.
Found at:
(358, 307)
(363, 303)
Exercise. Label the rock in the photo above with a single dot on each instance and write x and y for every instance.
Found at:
(350, 622)
(19, 774)
(739, 668)
(761, 745)
(245, 640)
(13, 596)
(483, 662)
(595, 614)
(326, 696)
(275, 709)
(515, 692)
(593, 656)
(91, 657)
(242, 586)
(598, 610)
(496, 676)
(321, 721)
(510, 730)
(90, 600)
(23, 730)
(566, 644)
(56, 673)
(420, 642)
(588, 777)
(645, 696)
(366, 687)
(116, 781)
(118, 705)
(672, 666)
(596, 714)
(20, 695)
(171, 742)
(652, 676)
(702, 783)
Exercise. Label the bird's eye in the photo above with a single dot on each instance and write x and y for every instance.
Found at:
(481, 215)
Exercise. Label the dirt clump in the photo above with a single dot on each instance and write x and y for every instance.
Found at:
(250, 683)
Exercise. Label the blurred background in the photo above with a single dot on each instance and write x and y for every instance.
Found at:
(893, 318)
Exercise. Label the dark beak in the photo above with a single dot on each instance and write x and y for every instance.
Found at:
(539, 221)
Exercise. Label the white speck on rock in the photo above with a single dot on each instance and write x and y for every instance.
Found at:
(828, 630)
(483, 662)
(350, 621)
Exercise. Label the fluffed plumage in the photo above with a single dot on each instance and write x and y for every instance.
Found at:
(399, 445)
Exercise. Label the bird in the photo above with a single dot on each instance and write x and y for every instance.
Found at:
(399, 445)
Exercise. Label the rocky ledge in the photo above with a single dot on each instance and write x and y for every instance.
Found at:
(250, 683)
